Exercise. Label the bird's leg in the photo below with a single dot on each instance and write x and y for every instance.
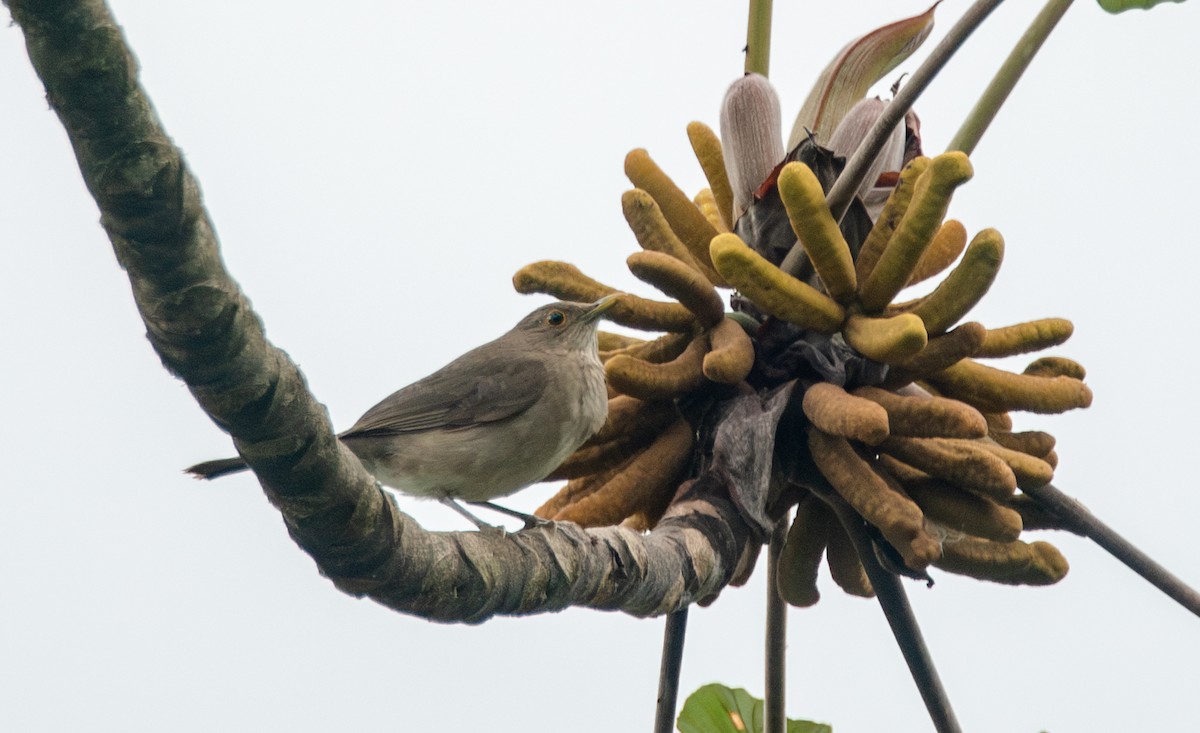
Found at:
(530, 520)
(482, 525)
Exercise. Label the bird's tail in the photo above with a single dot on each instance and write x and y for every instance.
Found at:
(217, 468)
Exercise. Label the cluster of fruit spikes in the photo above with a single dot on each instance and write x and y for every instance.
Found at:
(929, 456)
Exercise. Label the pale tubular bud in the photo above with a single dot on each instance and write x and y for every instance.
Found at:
(850, 133)
(751, 137)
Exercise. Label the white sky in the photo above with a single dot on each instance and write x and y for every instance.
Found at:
(376, 174)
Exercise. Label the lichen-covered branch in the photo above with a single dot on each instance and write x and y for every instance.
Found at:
(204, 330)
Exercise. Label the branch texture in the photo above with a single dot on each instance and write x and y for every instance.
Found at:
(205, 332)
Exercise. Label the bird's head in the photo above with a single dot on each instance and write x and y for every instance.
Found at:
(566, 325)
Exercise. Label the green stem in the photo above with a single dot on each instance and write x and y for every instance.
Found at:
(774, 719)
(1007, 77)
(758, 38)
(846, 185)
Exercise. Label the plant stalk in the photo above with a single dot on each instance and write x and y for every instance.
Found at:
(668, 676)
(758, 38)
(1007, 76)
(775, 719)
(900, 617)
(1087, 524)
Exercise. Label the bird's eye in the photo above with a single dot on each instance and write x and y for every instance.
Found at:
(556, 318)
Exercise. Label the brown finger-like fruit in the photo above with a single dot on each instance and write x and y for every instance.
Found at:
(800, 556)
(565, 281)
(640, 485)
(926, 417)
(636, 378)
(897, 517)
(681, 282)
(1014, 563)
(959, 462)
(831, 409)
(732, 354)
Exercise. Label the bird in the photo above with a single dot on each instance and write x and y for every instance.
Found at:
(493, 421)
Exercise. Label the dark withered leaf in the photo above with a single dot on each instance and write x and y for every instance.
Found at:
(743, 449)
(784, 351)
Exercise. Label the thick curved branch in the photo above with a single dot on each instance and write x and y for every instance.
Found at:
(204, 330)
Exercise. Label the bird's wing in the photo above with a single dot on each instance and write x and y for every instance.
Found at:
(450, 398)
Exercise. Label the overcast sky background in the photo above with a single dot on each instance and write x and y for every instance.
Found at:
(376, 173)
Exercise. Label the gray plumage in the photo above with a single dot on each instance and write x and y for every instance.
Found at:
(493, 421)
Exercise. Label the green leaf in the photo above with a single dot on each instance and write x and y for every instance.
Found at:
(716, 708)
(1120, 6)
(860, 64)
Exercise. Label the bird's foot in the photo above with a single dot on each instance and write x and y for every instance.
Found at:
(481, 525)
(531, 521)
(534, 522)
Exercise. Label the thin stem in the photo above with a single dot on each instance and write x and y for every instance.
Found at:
(1116, 545)
(758, 38)
(1007, 77)
(775, 721)
(668, 676)
(900, 617)
(847, 184)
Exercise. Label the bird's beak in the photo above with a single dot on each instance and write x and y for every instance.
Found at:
(598, 308)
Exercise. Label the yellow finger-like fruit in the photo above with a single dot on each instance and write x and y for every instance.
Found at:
(914, 233)
(818, 232)
(947, 245)
(899, 470)
(707, 147)
(774, 291)
(685, 219)
(941, 352)
(654, 234)
(893, 211)
(889, 340)
(1023, 338)
(707, 203)
(965, 285)
(998, 420)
